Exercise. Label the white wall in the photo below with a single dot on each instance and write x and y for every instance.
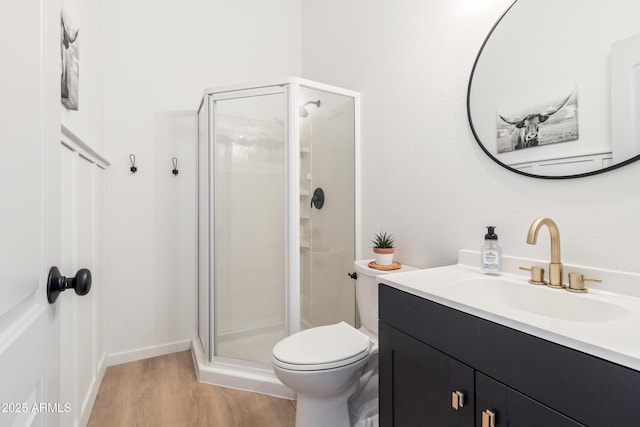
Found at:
(158, 58)
(424, 177)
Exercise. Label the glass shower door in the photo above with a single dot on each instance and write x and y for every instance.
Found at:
(327, 229)
(249, 223)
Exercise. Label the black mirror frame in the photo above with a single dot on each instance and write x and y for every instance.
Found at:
(491, 156)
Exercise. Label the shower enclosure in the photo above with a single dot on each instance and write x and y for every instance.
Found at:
(277, 222)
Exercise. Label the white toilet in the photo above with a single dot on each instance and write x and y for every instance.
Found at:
(334, 369)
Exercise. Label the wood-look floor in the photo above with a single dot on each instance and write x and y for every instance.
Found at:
(163, 391)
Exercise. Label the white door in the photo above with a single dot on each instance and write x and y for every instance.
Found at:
(625, 96)
(29, 214)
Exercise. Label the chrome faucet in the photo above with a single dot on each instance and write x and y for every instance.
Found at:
(555, 266)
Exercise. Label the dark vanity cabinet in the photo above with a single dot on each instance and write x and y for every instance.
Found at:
(511, 408)
(442, 367)
(415, 364)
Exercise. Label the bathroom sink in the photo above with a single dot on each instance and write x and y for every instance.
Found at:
(602, 322)
(518, 294)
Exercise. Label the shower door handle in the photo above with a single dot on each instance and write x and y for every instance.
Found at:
(317, 200)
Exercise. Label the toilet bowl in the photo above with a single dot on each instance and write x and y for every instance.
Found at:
(333, 368)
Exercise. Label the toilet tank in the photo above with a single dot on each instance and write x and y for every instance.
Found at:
(367, 292)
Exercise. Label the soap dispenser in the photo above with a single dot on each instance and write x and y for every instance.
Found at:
(491, 253)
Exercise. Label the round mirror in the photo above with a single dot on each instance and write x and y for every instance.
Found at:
(555, 89)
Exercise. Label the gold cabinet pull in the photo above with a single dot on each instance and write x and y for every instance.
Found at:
(457, 400)
(488, 418)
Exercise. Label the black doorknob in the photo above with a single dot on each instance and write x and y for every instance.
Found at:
(57, 283)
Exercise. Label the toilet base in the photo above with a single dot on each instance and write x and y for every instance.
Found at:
(323, 396)
(368, 415)
(322, 412)
(364, 405)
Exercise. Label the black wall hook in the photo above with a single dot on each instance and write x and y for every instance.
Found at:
(174, 160)
(132, 159)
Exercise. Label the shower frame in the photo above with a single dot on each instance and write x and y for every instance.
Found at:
(237, 373)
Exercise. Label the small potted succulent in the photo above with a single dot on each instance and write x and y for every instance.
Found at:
(383, 248)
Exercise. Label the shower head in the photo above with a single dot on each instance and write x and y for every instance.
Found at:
(303, 110)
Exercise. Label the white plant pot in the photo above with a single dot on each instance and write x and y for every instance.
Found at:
(383, 256)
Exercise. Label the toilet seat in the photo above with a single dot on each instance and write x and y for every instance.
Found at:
(323, 347)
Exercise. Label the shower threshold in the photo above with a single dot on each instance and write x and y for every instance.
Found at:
(238, 374)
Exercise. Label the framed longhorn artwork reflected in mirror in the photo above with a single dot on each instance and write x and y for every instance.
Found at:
(537, 125)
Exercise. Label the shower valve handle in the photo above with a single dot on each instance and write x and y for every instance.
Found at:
(317, 200)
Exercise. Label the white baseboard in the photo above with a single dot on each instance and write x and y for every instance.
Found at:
(147, 352)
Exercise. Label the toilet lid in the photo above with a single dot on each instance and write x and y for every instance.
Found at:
(324, 345)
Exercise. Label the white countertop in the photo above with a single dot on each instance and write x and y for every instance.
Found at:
(600, 323)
